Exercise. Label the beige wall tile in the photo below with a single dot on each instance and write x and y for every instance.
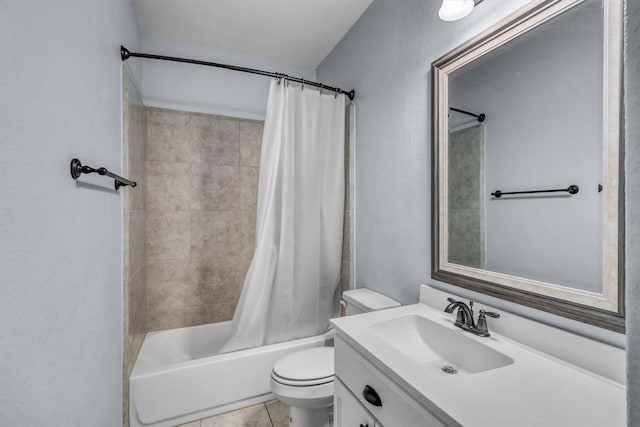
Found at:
(168, 235)
(168, 186)
(346, 275)
(137, 303)
(214, 188)
(215, 234)
(169, 319)
(248, 208)
(168, 285)
(250, 143)
(168, 134)
(210, 226)
(279, 413)
(135, 242)
(346, 237)
(137, 194)
(212, 313)
(254, 416)
(215, 140)
(218, 280)
(249, 189)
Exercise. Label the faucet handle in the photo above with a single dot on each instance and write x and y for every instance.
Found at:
(481, 329)
(490, 314)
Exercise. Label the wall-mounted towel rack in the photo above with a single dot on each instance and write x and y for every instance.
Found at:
(77, 169)
(572, 189)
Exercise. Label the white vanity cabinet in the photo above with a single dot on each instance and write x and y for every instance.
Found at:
(348, 412)
(351, 408)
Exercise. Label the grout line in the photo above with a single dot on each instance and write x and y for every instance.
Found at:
(268, 414)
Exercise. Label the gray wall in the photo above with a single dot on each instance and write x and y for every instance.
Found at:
(387, 57)
(209, 90)
(61, 244)
(632, 165)
(542, 95)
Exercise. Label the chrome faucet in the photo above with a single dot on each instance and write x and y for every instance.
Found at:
(464, 317)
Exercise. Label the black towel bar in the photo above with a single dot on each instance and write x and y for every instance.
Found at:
(77, 169)
(572, 189)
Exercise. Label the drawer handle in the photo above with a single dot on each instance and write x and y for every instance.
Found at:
(371, 396)
(362, 425)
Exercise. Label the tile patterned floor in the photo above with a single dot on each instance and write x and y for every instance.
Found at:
(269, 414)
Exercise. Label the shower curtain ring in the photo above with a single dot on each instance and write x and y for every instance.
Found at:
(321, 88)
(302, 85)
(335, 94)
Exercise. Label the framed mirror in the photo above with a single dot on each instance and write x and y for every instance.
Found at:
(527, 179)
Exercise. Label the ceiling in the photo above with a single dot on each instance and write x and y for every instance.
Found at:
(298, 32)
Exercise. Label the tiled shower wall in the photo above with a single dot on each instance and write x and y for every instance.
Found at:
(202, 175)
(134, 230)
(466, 197)
(348, 236)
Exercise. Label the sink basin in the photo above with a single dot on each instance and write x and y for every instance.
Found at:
(436, 346)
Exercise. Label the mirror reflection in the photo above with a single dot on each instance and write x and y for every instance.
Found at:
(542, 98)
(527, 163)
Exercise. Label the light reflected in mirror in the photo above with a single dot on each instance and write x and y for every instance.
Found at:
(524, 113)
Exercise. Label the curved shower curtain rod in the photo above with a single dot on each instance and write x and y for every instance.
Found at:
(126, 54)
(480, 117)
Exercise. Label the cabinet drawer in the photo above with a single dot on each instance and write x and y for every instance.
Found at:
(348, 412)
(397, 409)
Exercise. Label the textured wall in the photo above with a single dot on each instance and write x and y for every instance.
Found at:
(134, 231)
(387, 58)
(61, 244)
(632, 166)
(202, 187)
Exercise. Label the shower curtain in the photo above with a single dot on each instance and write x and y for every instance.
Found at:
(290, 289)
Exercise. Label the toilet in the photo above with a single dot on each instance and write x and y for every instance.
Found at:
(304, 379)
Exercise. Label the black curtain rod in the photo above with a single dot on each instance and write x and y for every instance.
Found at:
(126, 54)
(480, 117)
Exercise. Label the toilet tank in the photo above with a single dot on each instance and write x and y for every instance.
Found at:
(363, 300)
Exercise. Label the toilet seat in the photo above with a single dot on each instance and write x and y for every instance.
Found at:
(306, 368)
(305, 379)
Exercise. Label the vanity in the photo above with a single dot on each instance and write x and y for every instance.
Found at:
(410, 366)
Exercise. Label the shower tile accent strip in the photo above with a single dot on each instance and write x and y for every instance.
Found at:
(202, 174)
(134, 234)
(347, 276)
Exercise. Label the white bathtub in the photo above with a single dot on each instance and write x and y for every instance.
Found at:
(179, 377)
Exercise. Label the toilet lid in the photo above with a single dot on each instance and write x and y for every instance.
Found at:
(311, 366)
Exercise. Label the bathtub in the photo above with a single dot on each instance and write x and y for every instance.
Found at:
(179, 377)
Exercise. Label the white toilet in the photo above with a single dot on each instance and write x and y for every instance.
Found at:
(304, 379)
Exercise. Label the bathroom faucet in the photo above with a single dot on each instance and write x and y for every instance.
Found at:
(464, 317)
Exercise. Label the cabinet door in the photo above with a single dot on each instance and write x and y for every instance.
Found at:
(348, 412)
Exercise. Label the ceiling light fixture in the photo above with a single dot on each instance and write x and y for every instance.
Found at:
(452, 10)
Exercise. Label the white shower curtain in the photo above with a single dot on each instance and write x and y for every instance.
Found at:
(290, 289)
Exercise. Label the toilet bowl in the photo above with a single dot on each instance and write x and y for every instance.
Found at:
(304, 379)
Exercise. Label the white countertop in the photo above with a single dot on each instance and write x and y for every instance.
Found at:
(536, 390)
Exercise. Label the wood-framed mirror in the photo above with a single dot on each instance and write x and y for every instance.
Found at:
(527, 151)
